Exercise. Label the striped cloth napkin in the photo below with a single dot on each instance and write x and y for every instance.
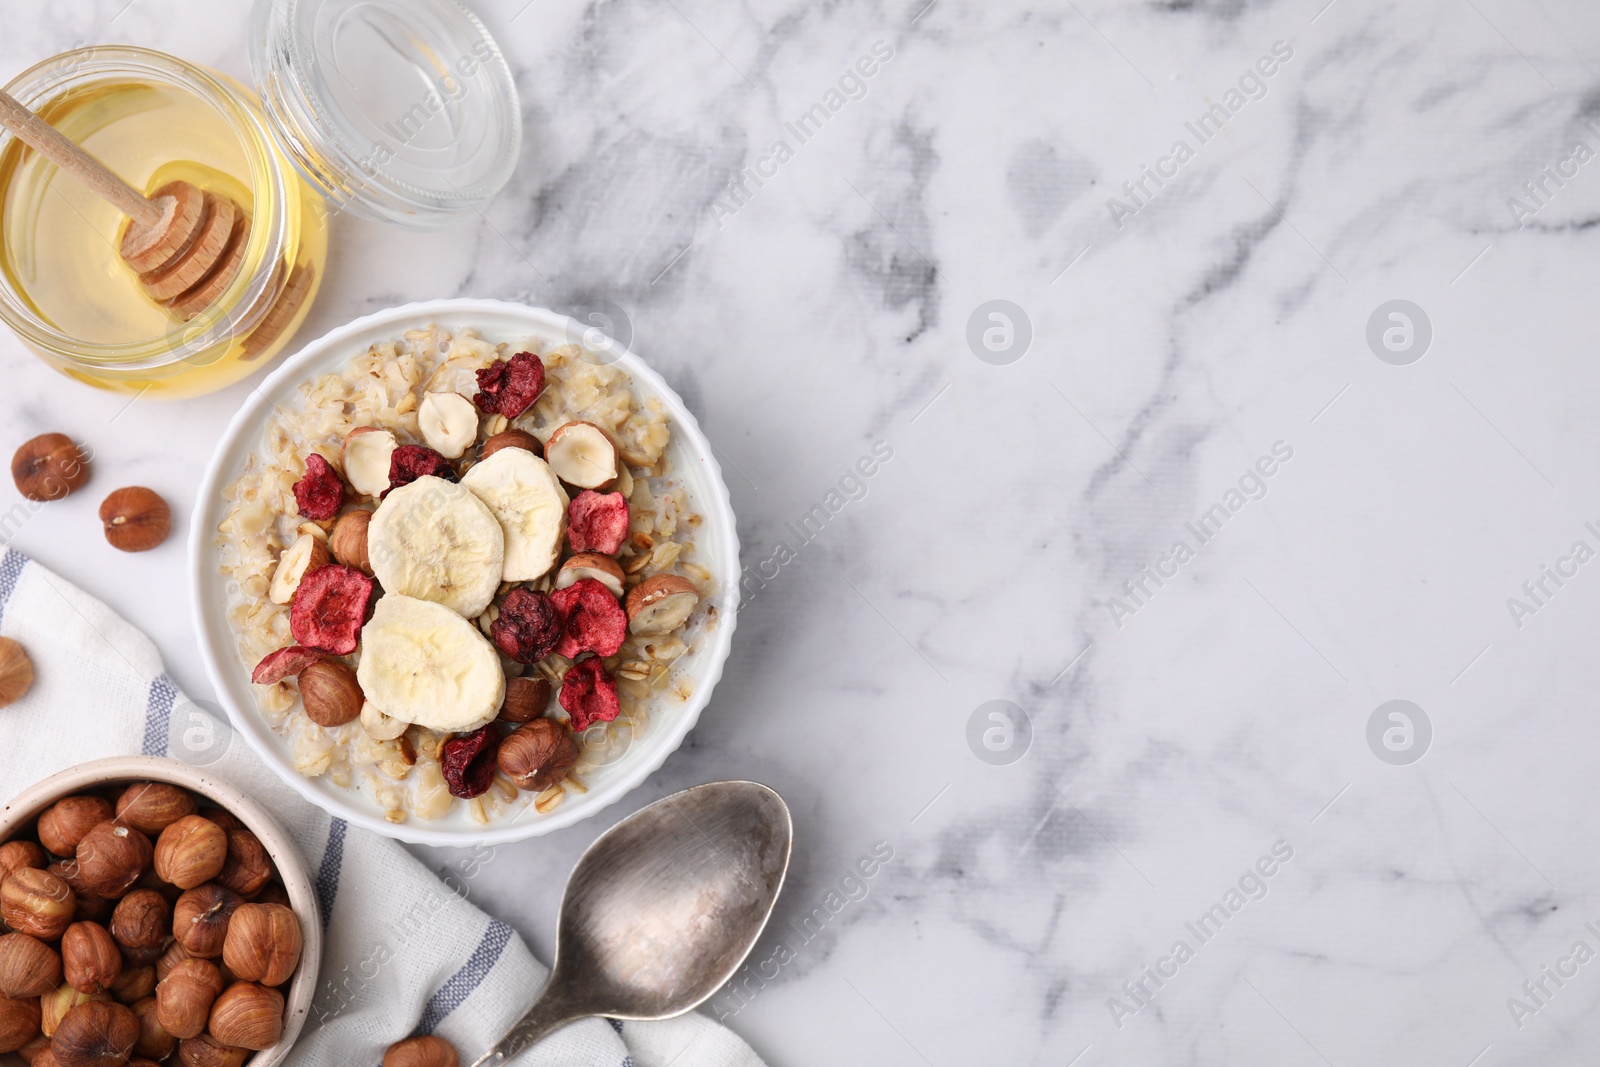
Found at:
(404, 954)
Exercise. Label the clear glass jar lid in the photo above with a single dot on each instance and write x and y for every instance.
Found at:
(401, 110)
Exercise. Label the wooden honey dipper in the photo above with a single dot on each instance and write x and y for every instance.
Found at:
(186, 245)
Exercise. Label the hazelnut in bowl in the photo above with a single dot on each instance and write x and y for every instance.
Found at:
(151, 912)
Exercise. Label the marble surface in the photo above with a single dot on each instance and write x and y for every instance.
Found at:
(1181, 725)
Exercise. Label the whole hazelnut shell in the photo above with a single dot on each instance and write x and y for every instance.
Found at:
(97, 1034)
(248, 1016)
(68, 821)
(155, 1042)
(14, 855)
(136, 519)
(201, 917)
(141, 924)
(151, 807)
(90, 959)
(111, 857)
(16, 672)
(426, 1051)
(184, 997)
(49, 467)
(203, 1051)
(37, 902)
(263, 944)
(348, 541)
(331, 693)
(526, 699)
(19, 1023)
(191, 852)
(28, 966)
(248, 868)
(537, 755)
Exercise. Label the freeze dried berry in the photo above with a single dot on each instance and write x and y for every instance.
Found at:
(329, 609)
(591, 619)
(468, 762)
(509, 387)
(597, 522)
(276, 666)
(410, 462)
(589, 694)
(528, 626)
(320, 492)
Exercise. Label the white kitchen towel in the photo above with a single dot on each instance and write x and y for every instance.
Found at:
(404, 953)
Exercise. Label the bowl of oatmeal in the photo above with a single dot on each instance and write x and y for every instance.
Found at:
(463, 571)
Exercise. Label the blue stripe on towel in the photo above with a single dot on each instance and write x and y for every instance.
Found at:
(328, 873)
(158, 716)
(464, 982)
(11, 565)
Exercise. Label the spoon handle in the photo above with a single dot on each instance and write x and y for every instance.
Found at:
(547, 1015)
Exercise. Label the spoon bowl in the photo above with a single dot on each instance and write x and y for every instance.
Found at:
(662, 910)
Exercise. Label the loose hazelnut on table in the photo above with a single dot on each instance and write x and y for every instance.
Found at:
(263, 944)
(140, 925)
(49, 467)
(90, 959)
(538, 755)
(203, 1051)
(191, 852)
(151, 807)
(348, 542)
(200, 919)
(16, 672)
(248, 1016)
(97, 1034)
(111, 857)
(136, 519)
(428, 1051)
(331, 693)
(526, 699)
(37, 903)
(28, 966)
(68, 821)
(19, 1023)
(660, 604)
(184, 997)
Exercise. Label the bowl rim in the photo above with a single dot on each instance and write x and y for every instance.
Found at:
(717, 512)
(291, 866)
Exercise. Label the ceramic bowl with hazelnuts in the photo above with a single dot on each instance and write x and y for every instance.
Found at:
(150, 913)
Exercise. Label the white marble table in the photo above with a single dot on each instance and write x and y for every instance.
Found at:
(1181, 722)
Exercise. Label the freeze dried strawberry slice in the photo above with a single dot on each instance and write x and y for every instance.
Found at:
(597, 522)
(329, 609)
(591, 619)
(410, 462)
(276, 666)
(589, 694)
(468, 762)
(528, 626)
(320, 492)
(509, 387)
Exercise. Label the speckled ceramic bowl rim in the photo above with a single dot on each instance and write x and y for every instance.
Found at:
(218, 650)
(291, 868)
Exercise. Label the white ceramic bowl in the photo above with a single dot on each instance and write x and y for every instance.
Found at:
(25, 806)
(717, 541)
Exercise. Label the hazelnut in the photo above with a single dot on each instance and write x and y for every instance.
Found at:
(112, 857)
(263, 943)
(510, 439)
(184, 997)
(584, 455)
(14, 855)
(174, 955)
(526, 699)
(33, 1050)
(538, 755)
(248, 868)
(68, 821)
(248, 1016)
(331, 694)
(19, 1023)
(89, 958)
(660, 604)
(223, 818)
(191, 852)
(134, 984)
(16, 672)
(28, 966)
(274, 893)
(37, 902)
(426, 1051)
(203, 1051)
(54, 1006)
(151, 807)
(97, 1034)
(93, 909)
(49, 467)
(155, 1042)
(200, 919)
(140, 925)
(348, 542)
(136, 519)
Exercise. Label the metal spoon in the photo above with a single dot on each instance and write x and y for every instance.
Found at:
(662, 910)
